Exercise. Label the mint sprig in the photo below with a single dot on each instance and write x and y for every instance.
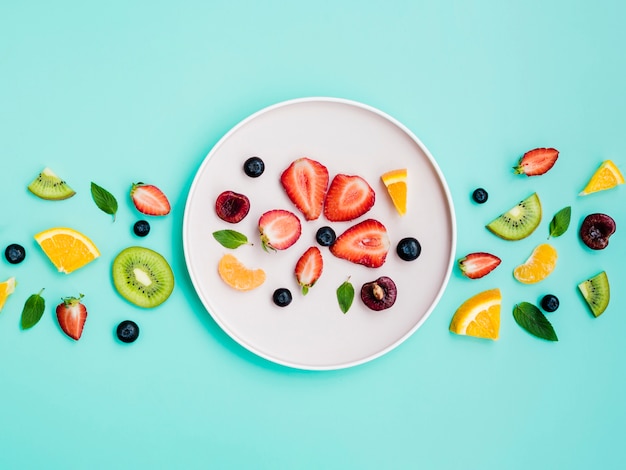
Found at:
(105, 201)
(230, 238)
(345, 296)
(33, 310)
(533, 321)
(560, 222)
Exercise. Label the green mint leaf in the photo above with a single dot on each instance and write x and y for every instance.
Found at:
(560, 222)
(533, 321)
(33, 310)
(230, 238)
(105, 201)
(345, 296)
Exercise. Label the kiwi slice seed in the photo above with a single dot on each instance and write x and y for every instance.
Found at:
(47, 185)
(596, 293)
(519, 221)
(142, 276)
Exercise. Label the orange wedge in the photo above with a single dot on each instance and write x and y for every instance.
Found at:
(479, 315)
(6, 288)
(237, 275)
(395, 182)
(607, 176)
(538, 266)
(67, 249)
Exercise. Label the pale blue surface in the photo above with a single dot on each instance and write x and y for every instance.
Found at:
(123, 91)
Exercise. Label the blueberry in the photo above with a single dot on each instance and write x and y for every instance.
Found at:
(254, 167)
(282, 297)
(480, 195)
(127, 331)
(141, 228)
(408, 249)
(549, 303)
(325, 236)
(15, 253)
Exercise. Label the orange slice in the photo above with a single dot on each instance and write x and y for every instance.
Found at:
(607, 176)
(67, 249)
(237, 275)
(538, 266)
(479, 315)
(395, 182)
(6, 288)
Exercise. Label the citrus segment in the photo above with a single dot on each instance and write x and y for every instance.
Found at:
(237, 275)
(479, 315)
(395, 182)
(6, 288)
(538, 266)
(67, 248)
(607, 176)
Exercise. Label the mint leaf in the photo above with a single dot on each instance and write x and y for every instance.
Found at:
(105, 201)
(560, 222)
(345, 296)
(533, 321)
(33, 310)
(230, 238)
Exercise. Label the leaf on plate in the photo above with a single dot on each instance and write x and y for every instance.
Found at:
(230, 238)
(533, 321)
(33, 310)
(345, 296)
(105, 201)
(560, 222)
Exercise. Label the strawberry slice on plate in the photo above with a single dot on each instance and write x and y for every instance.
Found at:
(305, 182)
(279, 229)
(149, 199)
(348, 197)
(479, 264)
(309, 268)
(71, 314)
(537, 161)
(365, 243)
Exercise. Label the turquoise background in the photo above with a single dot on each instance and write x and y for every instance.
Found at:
(123, 91)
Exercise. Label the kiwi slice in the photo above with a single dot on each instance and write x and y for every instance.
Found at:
(142, 276)
(596, 293)
(49, 186)
(519, 221)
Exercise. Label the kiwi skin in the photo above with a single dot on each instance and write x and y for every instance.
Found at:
(146, 263)
(596, 292)
(519, 221)
(47, 185)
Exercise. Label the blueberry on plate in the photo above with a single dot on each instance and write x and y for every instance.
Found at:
(480, 195)
(127, 331)
(549, 303)
(325, 236)
(254, 167)
(282, 297)
(141, 228)
(15, 253)
(408, 249)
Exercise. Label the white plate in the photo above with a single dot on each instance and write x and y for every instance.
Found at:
(312, 332)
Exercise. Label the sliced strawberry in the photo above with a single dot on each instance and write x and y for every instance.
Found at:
(309, 268)
(149, 199)
(71, 314)
(305, 182)
(348, 198)
(279, 229)
(365, 243)
(477, 265)
(536, 162)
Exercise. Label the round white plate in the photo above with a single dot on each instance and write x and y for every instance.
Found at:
(312, 332)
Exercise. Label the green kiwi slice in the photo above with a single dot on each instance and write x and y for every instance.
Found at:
(596, 293)
(519, 221)
(49, 186)
(142, 276)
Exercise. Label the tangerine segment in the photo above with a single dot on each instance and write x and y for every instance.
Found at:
(479, 315)
(607, 176)
(395, 181)
(237, 275)
(6, 289)
(67, 248)
(538, 266)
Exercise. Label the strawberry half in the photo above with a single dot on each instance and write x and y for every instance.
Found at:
(348, 198)
(477, 265)
(71, 314)
(365, 243)
(309, 268)
(279, 229)
(149, 199)
(536, 162)
(305, 182)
